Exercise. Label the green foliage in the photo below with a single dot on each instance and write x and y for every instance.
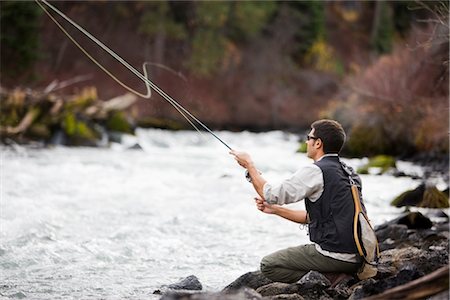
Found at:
(383, 162)
(366, 140)
(69, 124)
(384, 35)
(208, 49)
(19, 35)
(78, 130)
(302, 148)
(221, 24)
(250, 17)
(118, 122)
(310, 17)
(158, 18)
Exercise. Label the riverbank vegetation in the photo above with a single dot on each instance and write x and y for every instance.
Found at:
(380, 68)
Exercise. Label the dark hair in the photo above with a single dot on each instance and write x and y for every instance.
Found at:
(331, 133)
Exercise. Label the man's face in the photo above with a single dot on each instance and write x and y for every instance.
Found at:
(310, 149)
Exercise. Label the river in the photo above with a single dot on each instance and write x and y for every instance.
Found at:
(115, 223)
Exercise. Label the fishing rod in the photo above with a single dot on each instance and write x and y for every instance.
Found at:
(144, 77)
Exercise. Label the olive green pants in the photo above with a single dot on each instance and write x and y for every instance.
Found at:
(290, 264)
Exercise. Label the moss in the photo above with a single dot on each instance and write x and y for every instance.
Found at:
(83, 131)
(78, 132)
(433, 198)
(366, 140)
(302, 148)
(410, 198)
(39, 131)
(84, 99)
(422, 196)
(69, 124)
(384, 162)
(118, 122)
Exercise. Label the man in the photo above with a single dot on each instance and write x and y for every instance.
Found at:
(325, 187)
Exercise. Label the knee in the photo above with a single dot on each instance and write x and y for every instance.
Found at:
(267, 267)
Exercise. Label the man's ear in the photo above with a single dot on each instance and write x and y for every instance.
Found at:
(319, 143)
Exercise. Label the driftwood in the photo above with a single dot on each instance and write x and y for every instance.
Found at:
(420, 288)
(25, 123)
(119, 103)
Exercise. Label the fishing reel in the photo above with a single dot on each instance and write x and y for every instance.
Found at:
(247, 175)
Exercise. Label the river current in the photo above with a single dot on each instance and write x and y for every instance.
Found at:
(117, 223)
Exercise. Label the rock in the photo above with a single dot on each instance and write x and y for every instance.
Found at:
(277, 288)
(342, 289)
(410, 198)
(415, 220)
(313, 280)
(433, 198)
(189, 283)
(252, 280)
(286, 297)
(312, 286)
(426, 261)
(372, 287)
(393, 232)
(184, 286)
(422, 196)
(241, 294)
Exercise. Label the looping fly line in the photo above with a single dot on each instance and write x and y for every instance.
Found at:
(144, 77)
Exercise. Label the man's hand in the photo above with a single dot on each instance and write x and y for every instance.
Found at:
(266, 207)
(242, 158)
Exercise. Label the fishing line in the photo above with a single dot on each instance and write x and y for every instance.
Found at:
(144, 77)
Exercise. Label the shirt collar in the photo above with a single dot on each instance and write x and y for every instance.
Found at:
(328, 155)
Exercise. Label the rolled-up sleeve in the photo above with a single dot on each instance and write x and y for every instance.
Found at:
(306, 182)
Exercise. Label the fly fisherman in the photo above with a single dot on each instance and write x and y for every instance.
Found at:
(330, 209)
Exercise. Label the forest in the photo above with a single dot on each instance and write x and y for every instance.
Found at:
(378, 67)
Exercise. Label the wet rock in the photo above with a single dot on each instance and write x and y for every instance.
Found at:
(415, 220)
(372, 287)
(410, 198)
(313, 280)
(312, 286)
(241, 294)
(189, 283)
(277, 288)
(286, 297)
(393, 232)
(252, 280)
(184, 286)
(422, 196)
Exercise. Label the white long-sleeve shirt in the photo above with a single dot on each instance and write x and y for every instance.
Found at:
(305, 183)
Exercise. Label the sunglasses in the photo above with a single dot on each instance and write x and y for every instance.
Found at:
(308, 137)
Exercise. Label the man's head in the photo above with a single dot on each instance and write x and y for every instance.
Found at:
(326, 136)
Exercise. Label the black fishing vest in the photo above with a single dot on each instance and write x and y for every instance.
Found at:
(331, 216)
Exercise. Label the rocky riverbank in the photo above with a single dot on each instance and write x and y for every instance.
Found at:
(413, 265)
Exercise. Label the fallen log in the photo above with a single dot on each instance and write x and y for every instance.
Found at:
(420, 288)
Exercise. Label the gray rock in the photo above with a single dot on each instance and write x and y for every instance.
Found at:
(313, 280)
(242, 294)
(252, 280)
(277, 288)
(394, 232)
(285, 297)
(312, 286)
(189, 283)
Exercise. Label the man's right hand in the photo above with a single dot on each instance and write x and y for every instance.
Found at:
(265, 207)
